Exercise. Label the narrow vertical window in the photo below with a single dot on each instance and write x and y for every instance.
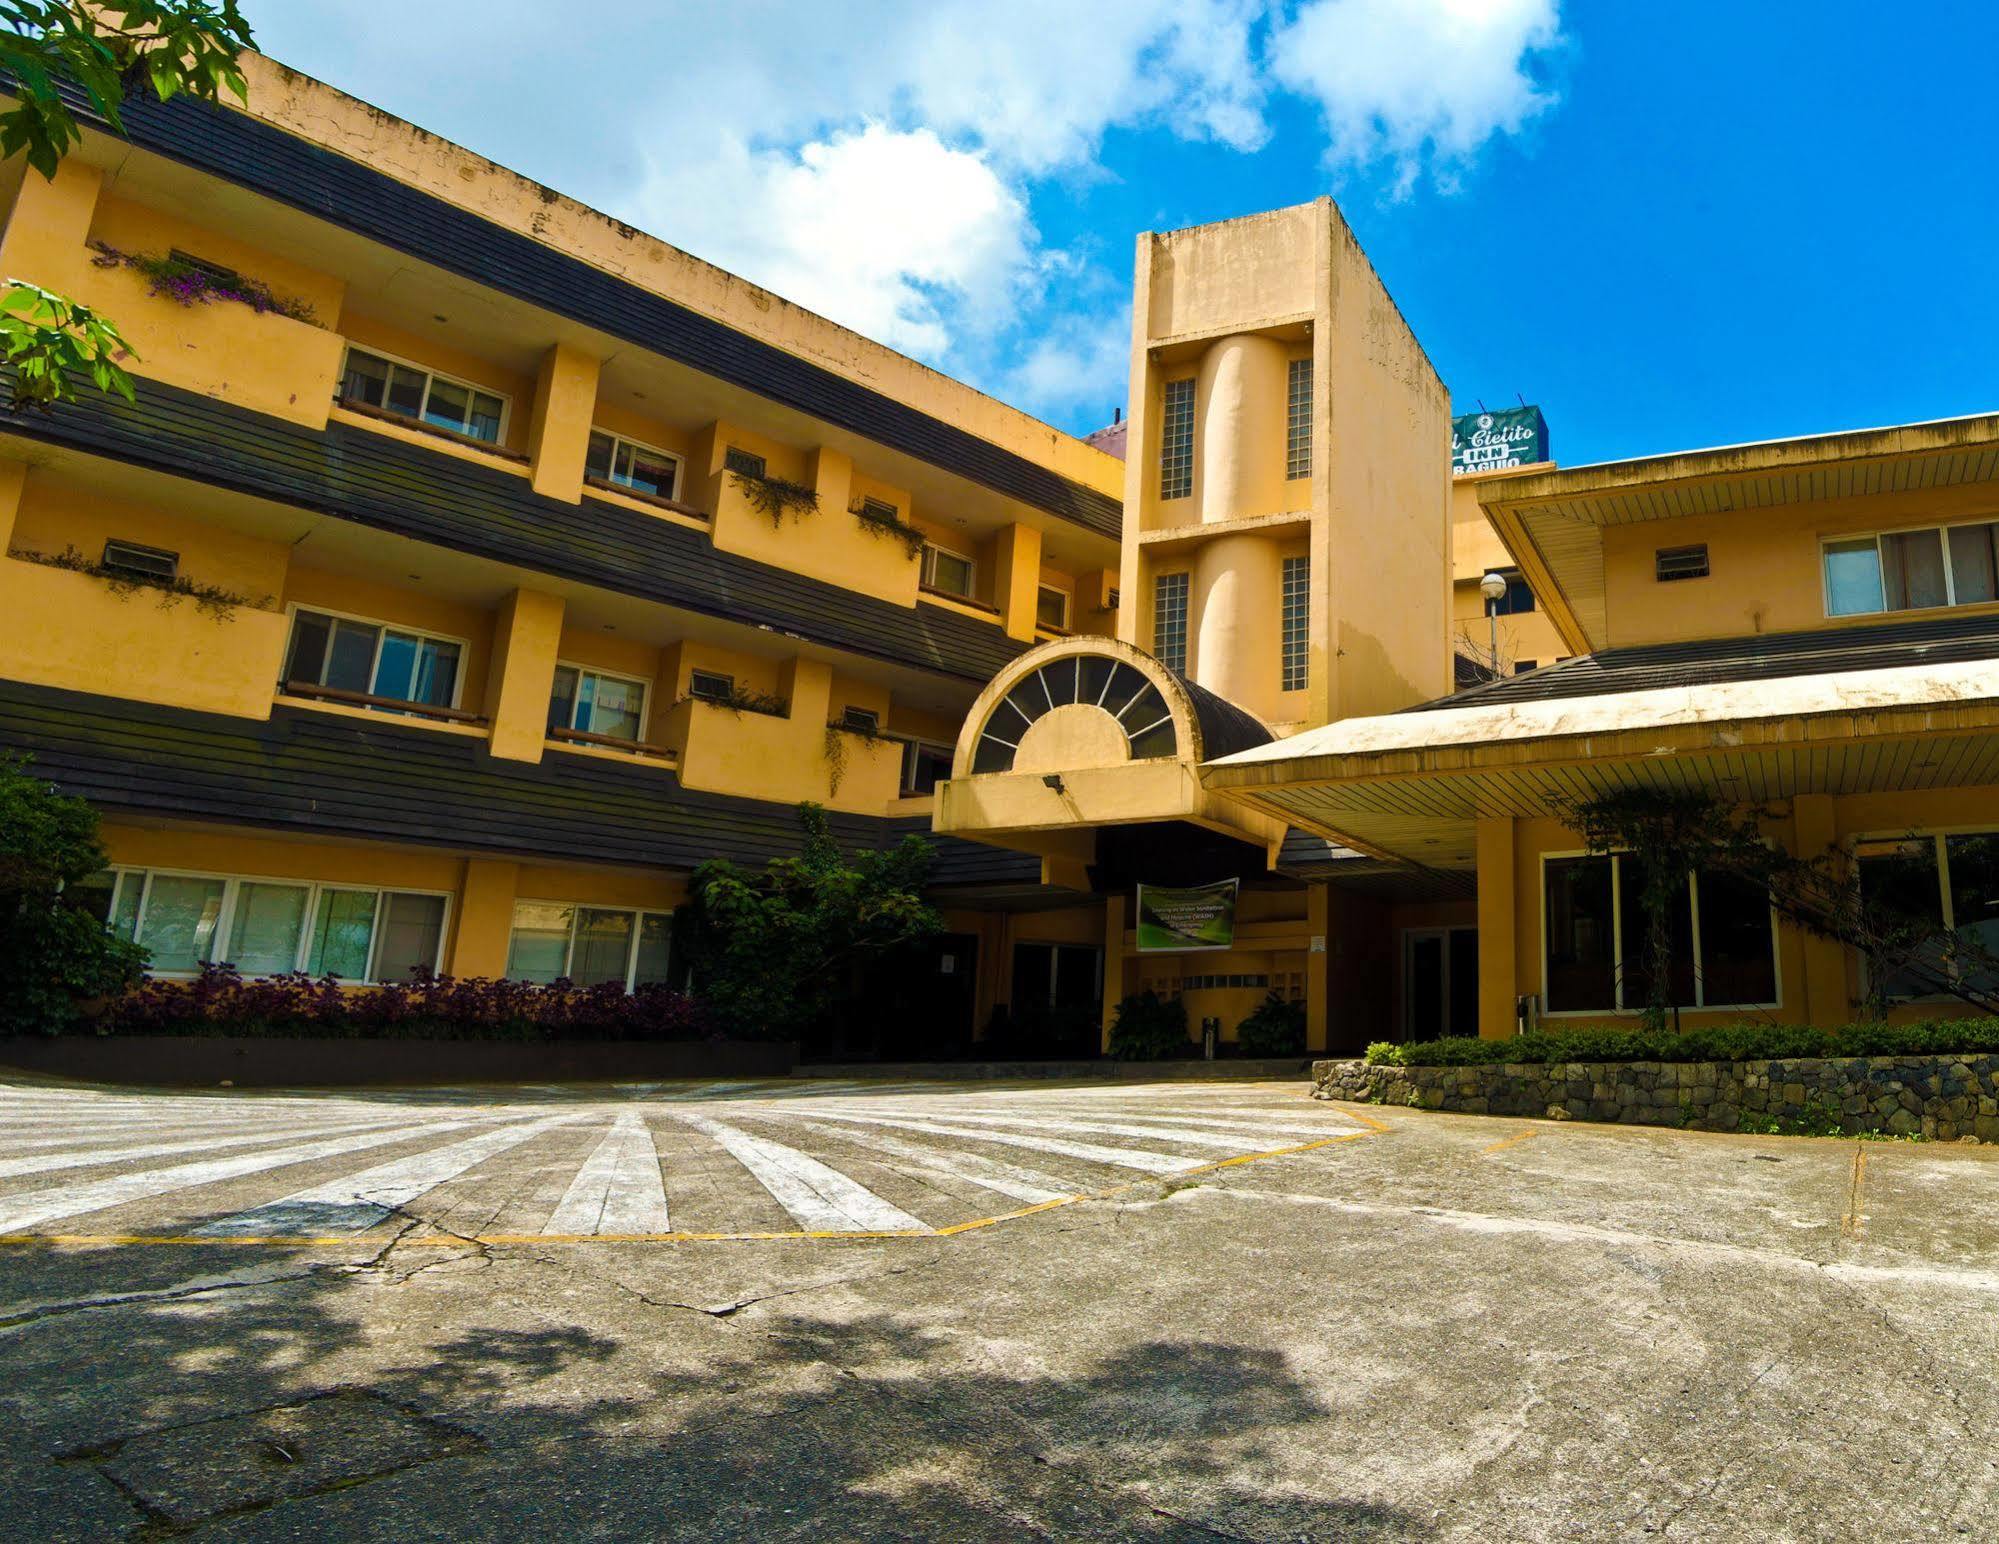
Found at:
(1176, 441)
(1298, 430)
(1297, 628)
(1169, 621)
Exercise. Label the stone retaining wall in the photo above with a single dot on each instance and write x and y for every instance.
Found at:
(1948, 1098)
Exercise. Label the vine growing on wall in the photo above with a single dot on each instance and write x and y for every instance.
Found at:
(888, 525)
(744, 699)
(191, 284)
(776, 496)
(211, 599)
(836, 748)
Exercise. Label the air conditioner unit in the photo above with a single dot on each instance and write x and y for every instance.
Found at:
(127, 557)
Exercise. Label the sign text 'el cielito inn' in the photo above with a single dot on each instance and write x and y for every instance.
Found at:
(1492, 442)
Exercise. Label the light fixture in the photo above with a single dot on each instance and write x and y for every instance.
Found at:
(1053, 780)
(1493, 586)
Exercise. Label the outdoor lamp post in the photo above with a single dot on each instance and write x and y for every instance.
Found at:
(1493, 588)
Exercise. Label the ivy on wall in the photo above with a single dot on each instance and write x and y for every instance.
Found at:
(888, 525)
(776, 496)
(212, 599)
(190, 283)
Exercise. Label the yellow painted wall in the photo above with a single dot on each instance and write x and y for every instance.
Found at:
(1476, 550)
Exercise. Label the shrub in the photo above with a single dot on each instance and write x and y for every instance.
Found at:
(1725, 1042)
(1275, 1027)
(220, 1002)
(1148, 1028)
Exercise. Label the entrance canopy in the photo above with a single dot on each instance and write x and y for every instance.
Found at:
(1089, 732)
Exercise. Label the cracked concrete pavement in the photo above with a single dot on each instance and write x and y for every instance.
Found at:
(1457, 1328)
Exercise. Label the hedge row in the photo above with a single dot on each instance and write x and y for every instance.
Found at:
(1728, 1042)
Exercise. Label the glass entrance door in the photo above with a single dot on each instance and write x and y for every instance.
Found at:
(1439, 982)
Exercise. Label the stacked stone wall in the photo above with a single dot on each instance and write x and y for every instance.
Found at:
(1948, 1098)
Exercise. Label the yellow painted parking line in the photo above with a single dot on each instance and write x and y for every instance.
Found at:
(1513, 1141)
(484, 1240)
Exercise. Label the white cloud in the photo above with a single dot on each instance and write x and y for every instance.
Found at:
(1076, 365)
(1418, 83)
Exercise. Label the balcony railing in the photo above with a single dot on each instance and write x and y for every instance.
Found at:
(346, 698)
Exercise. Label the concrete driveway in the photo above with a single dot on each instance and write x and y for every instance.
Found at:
(792, 1311)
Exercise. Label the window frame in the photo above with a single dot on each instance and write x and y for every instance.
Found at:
(625, 441)
(225, 918)
(928, 572)
(464, 646)
(1294, 647)
(913, 748)
(1617, 975)
(1938, 837)
(1942, 528)
(1185, 597)
(1176, 439)
(643, 683)
(431, 377)
(638, 914)
(1067, 597)
(1298, 437)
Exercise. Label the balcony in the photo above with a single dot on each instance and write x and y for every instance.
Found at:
(781, 760)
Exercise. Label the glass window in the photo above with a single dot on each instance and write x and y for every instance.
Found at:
(265, 927)
(1974, 563)
(924, 767)
(1169, 621)
(603, 948)
(1853, 578)
(655, 949)
(1176, 440)
(343, 929)
(413, 393)
(613, 459)
(1582, 962)
(1738, 953)
(1973, 865)
(412, 933)
(1901, 890)
(539, 950)
(178, 924)
(1296, 642)
(1636, 974)
(744, 463)
(363, 657)
(1298, 422)
(1912, 570)
(950, 572)
(1051, 607)
(615, 707)
(125, 907)
(93, 894)
(1519, 597)
(562, 698)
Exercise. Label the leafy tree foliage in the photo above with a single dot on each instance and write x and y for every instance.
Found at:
(771, 952)
(53, 951)
(49, 50)
(1148, 1027)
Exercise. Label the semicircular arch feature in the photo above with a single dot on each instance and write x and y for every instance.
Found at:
(1109, 689)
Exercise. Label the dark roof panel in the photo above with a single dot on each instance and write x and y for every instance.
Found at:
(1225, 728)
(1932, 640)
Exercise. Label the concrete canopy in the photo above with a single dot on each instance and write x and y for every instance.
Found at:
(1410, 786)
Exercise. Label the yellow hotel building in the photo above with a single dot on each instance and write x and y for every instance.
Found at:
(538, 562)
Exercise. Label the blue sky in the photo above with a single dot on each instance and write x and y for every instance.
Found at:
(1670, 226)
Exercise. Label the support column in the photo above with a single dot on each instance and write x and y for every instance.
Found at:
(1828, 997)
(565, 404)
(485, 918)
(807, 688)
(1017, 579)
(1114, 914)
(1318, 994)
(1498, 945)
(527, 633)
(50, 223)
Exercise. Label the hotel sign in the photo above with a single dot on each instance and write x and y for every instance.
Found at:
(1492, 442)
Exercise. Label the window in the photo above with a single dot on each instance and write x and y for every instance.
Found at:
(215, 273)
(128, 557)
(1723, 952)
(1176, 441)
(1051, 608)
(711, 685)
(950, 572)
(595, 703)
(1296, 629)
(1671, 563)
(1298, 423)
(372, 659)
(268, 927)
(1953, 565)
(1169, 621)
(614, 459)
(880, 511)
(588, 945)
(861, 720)
(409, 392)
(924, 766)
(1949, 884)
(1058, 975)
(744, 463)
(1519, 597)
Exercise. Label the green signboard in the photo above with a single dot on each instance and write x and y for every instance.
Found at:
(1491, 442)
(1178, 921)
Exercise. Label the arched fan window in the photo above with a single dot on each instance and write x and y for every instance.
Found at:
(1112, 686)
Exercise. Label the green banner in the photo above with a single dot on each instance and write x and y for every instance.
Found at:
(1178, 921)
(1491, 442)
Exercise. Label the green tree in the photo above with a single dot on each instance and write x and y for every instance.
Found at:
(50, 50)
(54, 951)
(771, 952)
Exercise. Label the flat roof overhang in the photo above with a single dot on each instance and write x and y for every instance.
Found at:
(1058, 814)
(1410, 787)
(1553, 522)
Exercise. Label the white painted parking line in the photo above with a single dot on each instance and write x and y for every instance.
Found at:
(356, 1202)
(1006, 1179)
(33, 1207)
(618, 1189)
(818, 1198)
(1185, 1135)
(1120, 1157)
(92, 1157)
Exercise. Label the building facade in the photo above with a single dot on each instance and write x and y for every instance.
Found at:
(515, 563)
